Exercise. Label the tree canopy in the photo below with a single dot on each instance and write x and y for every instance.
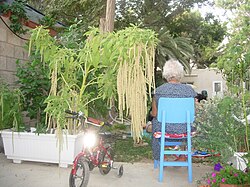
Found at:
(205, 33)
(172, 20)
(234, 58)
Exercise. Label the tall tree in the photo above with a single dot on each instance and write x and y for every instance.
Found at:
(154, 14)
(234, 60)
(67, 11)
(174, 18)
(157, 15)
(151, 13)
(110, 16)
(205, 35)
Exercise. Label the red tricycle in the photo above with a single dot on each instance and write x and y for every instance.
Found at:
(95, 152)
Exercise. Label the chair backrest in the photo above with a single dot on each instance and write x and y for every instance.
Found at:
(176, 109)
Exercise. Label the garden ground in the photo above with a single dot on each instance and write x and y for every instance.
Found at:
(139, 174)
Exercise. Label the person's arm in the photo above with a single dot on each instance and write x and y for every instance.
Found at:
(153, 112)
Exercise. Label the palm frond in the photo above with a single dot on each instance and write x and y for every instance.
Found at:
(169, 47)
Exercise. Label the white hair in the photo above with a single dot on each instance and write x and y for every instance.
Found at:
(172, 70)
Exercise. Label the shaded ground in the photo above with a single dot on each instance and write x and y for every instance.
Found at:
(142, 174)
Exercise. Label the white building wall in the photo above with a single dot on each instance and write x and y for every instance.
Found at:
(206, 79)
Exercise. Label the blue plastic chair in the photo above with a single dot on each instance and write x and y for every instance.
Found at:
(175, 110)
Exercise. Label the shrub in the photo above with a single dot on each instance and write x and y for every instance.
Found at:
(34, 84)
(217, 128)
(11, 105)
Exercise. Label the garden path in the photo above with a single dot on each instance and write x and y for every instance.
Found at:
(33, 174)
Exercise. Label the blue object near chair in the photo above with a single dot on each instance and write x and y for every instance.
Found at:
(146, 134)
(175, 110)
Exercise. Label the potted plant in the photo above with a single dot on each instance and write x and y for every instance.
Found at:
(21, 144)
(15, 11)
(74, 73)
(227, 176)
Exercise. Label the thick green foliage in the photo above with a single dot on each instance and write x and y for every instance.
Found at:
(234, 61)
(218, 130)
(18, 15)
(82, 72)
(157, 15)
(34, 85)
(205, 35)
(11, 102)
(67, 10)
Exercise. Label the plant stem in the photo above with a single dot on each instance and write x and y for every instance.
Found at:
(244, 111)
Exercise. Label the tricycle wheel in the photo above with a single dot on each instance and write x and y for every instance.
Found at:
(105, 162)
(81, 178)
(120, 171)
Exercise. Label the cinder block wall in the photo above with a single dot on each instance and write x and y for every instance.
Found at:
(11, 49)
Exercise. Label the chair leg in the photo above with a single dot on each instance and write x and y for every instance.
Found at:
(161, 173)
(190, 168)
(161, 167)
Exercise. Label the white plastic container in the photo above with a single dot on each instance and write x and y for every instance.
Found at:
(27, 146)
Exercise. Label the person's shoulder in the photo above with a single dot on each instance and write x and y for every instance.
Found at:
(187, 86)
(188, 89)
(162, 86)
(167, 86)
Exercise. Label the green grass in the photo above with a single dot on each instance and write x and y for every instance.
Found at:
(126, 152)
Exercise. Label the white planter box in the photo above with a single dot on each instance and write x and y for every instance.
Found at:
(26, 146)
(1, 144)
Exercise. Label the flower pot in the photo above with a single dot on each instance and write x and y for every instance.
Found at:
(28, 146)
(30, 24)
(234, 185)
(7, 14)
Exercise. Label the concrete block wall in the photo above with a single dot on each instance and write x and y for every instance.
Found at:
(11, 50)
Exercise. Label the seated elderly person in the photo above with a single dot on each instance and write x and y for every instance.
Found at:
(172, 73)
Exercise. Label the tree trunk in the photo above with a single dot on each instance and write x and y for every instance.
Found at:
(110, 16)
(102, 25)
